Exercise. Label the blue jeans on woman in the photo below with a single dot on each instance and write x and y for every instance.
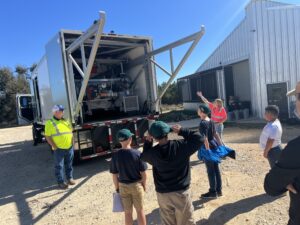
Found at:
(214, 176)
(219, 129)
(63, 159)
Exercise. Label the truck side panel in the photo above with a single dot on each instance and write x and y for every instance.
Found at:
(44, 89)
(56, 72)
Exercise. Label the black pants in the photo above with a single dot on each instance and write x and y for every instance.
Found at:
(273, 155)
(214, 176)
(294, 211)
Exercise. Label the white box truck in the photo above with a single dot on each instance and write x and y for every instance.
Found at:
(106, 82)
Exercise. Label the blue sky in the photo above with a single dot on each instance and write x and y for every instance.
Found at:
(27, 25)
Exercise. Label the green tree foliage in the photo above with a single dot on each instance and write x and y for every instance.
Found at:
(171, 96)
(10, 85)
(21, 82)
(7, 100)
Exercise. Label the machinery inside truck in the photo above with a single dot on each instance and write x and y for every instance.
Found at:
(116, 88)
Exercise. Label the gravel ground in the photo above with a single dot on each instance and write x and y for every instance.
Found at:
(28, 193)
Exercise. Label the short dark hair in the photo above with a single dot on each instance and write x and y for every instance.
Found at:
(272, 109)
(161, 137)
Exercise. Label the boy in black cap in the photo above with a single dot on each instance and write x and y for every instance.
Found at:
(211, 141)
(171, 171)
(129, 177)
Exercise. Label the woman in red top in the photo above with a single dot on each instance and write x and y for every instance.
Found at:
(218, 113)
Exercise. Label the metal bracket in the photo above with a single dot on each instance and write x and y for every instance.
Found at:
(195, 38)
(95, 30)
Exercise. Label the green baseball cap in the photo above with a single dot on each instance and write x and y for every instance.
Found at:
(124, 135)
(204, 108)
(159, 129)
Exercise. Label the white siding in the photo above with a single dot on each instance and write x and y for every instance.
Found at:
(275, 52)
(235, 48)
(269, 37)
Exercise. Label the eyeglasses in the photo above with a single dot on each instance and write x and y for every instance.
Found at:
(297, 96)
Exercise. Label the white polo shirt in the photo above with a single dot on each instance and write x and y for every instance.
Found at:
(272, 130)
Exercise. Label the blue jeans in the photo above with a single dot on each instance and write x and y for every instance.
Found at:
(63, 159)
(219, 129)
(273, 155)
(214, 176)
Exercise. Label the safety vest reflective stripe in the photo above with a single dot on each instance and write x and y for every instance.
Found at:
(60, 134)
(55, 126)
(57, 131)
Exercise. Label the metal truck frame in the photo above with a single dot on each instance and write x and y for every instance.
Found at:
(73, 52)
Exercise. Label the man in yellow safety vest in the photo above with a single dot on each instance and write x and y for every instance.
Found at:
(58, 133)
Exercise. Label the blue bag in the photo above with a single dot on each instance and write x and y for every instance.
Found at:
(215, 155)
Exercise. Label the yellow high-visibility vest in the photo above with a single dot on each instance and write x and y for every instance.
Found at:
(61, 133)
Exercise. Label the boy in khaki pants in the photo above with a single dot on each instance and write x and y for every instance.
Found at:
(129, 177)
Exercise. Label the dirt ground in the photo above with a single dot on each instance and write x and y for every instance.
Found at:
(28, 193)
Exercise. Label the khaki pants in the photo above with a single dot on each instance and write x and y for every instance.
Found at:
(176, 208)
(132, 195)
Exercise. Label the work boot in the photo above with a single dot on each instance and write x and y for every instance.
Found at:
(71, 182)
(62, 185)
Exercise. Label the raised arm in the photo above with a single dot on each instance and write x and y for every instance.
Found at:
(199, 93)
(192, 138)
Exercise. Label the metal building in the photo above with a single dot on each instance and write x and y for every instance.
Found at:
(258, 61)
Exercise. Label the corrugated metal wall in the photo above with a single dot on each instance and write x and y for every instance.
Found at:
(235, 47)
(269, 37)
(275, 54)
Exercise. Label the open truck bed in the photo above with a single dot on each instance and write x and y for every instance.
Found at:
(105, 81)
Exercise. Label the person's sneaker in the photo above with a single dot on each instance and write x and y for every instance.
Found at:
(71, 182)
(209, 195)
(63, 185)
(219, 193)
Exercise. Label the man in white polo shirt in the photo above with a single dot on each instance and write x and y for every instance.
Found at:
(270, 138)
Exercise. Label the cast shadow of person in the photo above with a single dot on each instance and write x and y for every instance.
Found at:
(152, 218)
(27, 172)
(226, 212)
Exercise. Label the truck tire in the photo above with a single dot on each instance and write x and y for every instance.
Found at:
(34, 136)
(76, 159)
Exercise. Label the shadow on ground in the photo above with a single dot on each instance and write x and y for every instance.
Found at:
(152, 218)
(27, 171)
(226, 212)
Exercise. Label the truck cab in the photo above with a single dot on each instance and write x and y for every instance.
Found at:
(24, 109)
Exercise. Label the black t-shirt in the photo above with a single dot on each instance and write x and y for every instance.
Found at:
(128, 164)
(207, 129)
(171, 168)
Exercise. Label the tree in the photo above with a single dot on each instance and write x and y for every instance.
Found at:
(171, 96)
(21, 82)
(10, 85)
(7, 102)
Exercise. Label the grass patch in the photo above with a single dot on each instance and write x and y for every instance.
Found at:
(178, 115)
